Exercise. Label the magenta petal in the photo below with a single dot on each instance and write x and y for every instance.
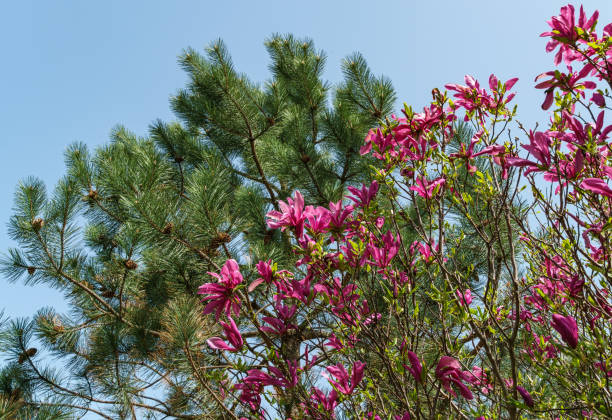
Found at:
(510, 82)
(493, 82)
(447, 363)
(567, 327)
(254, 284)
(596, 185)
(416, 365)
(464, 390)
(218, 344)
(548, 100)
(598, 99)
(526, 396)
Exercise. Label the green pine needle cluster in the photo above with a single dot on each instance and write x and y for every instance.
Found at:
(131, 230)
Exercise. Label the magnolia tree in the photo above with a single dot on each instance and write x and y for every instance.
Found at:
(383, 317)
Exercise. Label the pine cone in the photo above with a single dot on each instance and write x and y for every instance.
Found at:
(130, 264)
(16, 394)
(223, 237)
(220, 239)
(268, 236)
(167, 230)
(31, 270)
(37, 224)
(108, 293)
(305, 158)
(26, 355)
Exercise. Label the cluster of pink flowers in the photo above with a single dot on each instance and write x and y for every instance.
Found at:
(313, 320)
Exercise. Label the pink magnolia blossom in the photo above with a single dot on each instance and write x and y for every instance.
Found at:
(564, 33)
(427, 189)
(427, 251)
(251, 394)
(338, 214)
(328, 402)
(277, 326)
(478, 377)
(363, 196)
(233, 336)
(334, 342)
(605, 367)
(342, 382)
(568, 83)
(526, 396)
(598, 99)
(472, 97)
(415, 367)
(449, 371)
(382, 142)
(221, 295)
(275, 377)
(318, 218)
(264, 268)
(382, 256)
(291, 214)
(539, 147)
(465, 298)
(567, 327)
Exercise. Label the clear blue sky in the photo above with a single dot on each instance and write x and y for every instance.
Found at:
(74, 69)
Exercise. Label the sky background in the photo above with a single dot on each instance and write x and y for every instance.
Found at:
(74, 69)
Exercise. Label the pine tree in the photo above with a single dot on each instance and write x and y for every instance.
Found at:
(132, 229)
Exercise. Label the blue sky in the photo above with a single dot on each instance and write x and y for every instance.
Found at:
(74, 69)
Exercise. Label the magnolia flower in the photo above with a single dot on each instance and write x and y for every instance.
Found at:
(328, 402)
(221, 295)
(416, 367)
(250, 394)
(276, 377)
(538, 147)
(564, 33)
(341, 382)
(264, 268)
(338, 214)
(526, 396)
(465, 298)
(318, 218)
(427, 189)
(567, 327)
(449, 371)
(363, 196)
(233, 336)
(334, 343)
(568, 83)
(291, 214)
